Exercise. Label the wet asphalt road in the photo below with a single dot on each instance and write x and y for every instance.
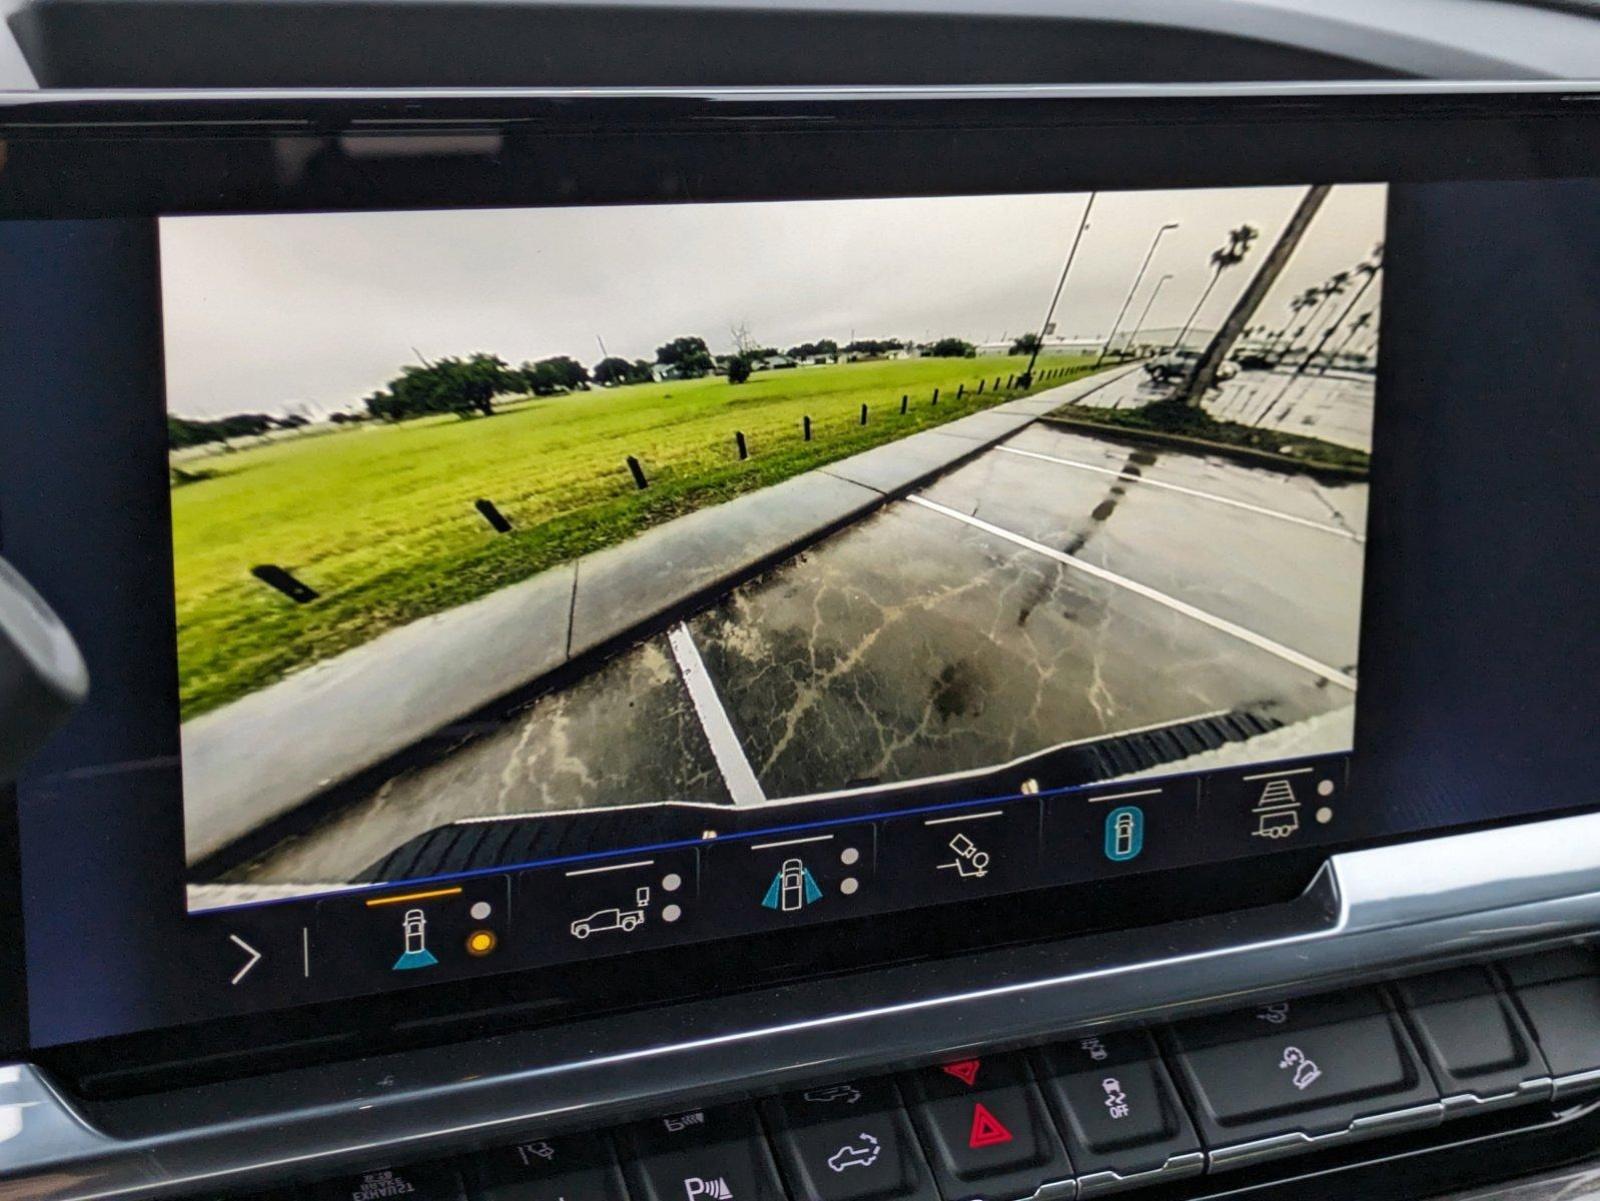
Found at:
(1335, 407)
(1107, 589)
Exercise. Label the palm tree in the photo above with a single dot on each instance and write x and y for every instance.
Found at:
(1222, 258)
(1204, 376)
(1337, 283)
(1369, 272)
(1360, 323)
(1334, 287)
(1296, 306)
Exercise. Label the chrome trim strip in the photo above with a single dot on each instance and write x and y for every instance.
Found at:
(1574, 88)
(1462, 1105)
(1367, 916)
(1238, 1155)
(1579, 1082)
(1191, 1163)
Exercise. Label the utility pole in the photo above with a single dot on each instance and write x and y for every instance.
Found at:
(1133, 338)
(603, 354)
(1204, 375)
(1026, 379)
(1137, 279)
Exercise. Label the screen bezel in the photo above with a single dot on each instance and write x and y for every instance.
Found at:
(65, 162)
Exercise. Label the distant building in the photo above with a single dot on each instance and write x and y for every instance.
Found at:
(666, 371)
(773, 362)
(1053, 344)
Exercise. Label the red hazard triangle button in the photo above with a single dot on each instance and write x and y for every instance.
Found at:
(964, 1070)
(987, 1130)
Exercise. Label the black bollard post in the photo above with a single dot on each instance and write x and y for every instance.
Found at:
(738, 438)
(936, 396)
(638, 473)
(863, 414)
(496, 519)
(904, 401)
(805, 427)
(276, 577)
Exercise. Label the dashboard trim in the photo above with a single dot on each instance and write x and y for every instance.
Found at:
(1367, 915)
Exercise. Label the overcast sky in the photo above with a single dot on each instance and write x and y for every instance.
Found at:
(262, 312)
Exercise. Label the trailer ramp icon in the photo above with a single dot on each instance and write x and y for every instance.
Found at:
(1277, 812)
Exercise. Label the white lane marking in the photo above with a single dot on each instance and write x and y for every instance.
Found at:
(726, 749)
(1332, 674)
(1211, 496)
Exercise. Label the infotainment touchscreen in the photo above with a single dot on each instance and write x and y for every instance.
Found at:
(524, 572)
(760, 559)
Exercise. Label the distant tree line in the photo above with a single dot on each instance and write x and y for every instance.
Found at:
(468, 387)
(188, 431)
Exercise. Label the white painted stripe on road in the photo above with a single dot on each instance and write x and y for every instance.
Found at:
(1332, 674)
(726, 748)
(1211, 496)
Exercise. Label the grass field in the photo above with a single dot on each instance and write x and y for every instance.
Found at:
(379, 519)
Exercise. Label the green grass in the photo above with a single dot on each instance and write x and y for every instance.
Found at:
(379, 519)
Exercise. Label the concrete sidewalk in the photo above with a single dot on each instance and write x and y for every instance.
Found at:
(260, 758)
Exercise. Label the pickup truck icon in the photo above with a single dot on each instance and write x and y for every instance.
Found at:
(625, 920)
(862, 1152)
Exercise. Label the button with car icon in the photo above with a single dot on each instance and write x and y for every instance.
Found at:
(610, 905)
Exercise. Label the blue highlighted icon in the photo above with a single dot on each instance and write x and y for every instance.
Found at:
(416, 953)
(1124, 833)
(792, 888)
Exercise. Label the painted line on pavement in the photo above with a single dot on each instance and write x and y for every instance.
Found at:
(726, 749)
(1332, 674)
(1211, 496)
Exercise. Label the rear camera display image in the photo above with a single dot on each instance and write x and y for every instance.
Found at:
(501, 535)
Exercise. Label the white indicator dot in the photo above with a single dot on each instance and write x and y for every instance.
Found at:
(1324, 815)
(849, 885)
(480, 910)
(671, 913)
(672, 882)
(1325, 788)
(849, 855)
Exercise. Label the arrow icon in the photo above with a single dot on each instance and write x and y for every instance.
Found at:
(255, 958)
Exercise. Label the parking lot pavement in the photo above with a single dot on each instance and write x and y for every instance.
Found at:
(1278, 568)
(1336, 407)
(1056, 588)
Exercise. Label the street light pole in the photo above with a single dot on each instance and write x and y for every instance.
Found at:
(1083, 224)
(1139, 325)
(1137, 279)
